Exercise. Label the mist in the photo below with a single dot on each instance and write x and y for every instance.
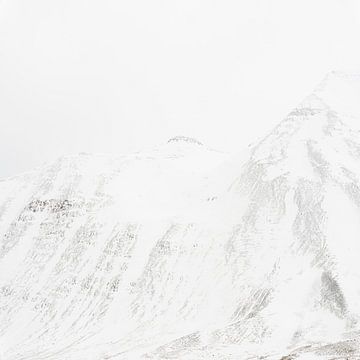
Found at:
(121, 76)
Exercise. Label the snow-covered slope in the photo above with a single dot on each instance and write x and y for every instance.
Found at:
(188, 253)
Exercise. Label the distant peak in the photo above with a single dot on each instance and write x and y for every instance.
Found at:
(333, 78)
(185, 139)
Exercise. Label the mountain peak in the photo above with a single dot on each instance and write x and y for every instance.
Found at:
(340, 91)
(185, 139)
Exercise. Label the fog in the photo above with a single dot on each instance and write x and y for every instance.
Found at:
(121, 76)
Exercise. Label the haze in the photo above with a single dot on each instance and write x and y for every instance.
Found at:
(120, 76)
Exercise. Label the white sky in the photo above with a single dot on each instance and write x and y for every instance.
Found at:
(119, 76)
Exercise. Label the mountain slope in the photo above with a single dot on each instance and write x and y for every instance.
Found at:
(188, 253)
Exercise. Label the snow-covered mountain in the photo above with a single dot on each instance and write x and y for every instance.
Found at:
(184, 252)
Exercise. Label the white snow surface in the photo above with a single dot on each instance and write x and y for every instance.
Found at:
(184, 252)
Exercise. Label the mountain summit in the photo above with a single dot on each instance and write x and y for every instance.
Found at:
(189, 254)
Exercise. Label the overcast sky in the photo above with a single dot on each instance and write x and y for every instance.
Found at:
(120, 76)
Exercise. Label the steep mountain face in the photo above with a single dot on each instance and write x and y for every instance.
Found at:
(188, 253)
